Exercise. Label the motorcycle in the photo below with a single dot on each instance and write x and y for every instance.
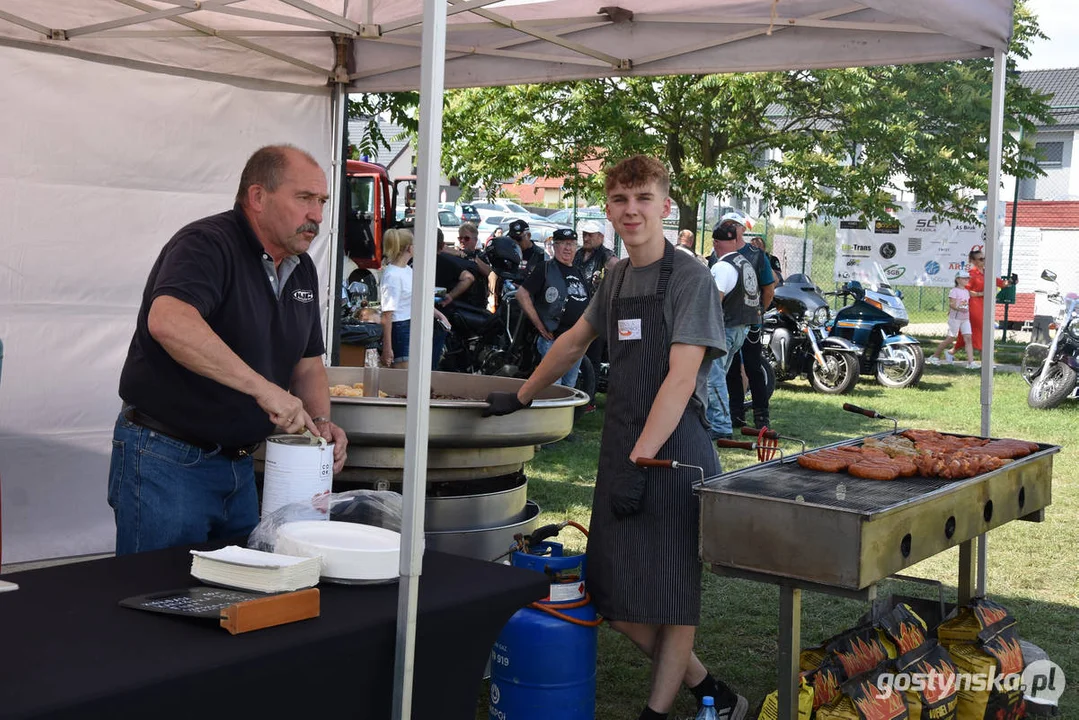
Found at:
(796, 340)
(502, 343)
(1051, 369)
(873, 324)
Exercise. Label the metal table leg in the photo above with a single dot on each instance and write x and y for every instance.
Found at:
(967, 570)
(790, 646)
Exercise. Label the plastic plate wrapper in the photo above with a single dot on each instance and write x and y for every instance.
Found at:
(379, 508)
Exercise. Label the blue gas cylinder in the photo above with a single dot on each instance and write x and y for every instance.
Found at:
(544, 667)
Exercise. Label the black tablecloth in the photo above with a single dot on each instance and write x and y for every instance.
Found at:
(67, 649)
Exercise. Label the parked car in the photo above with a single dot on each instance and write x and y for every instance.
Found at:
(450, 225)
(505, 207)
(565, 217)
(464, 211)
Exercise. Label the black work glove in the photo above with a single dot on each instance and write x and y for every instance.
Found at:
(627, 493)
(503, 403)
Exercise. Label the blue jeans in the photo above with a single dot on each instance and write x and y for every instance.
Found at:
(401, 334)
(570, 378)
(718, 412)
(165, 493)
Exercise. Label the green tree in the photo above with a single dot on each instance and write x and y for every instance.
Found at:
(832, 140)
(400, 107)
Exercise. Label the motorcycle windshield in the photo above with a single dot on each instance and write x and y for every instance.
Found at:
(881, 291)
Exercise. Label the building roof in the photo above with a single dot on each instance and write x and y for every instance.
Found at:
(1044, 214)
(1063, 85)
(391, 132)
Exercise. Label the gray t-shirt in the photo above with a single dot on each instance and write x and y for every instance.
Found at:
(692, 309)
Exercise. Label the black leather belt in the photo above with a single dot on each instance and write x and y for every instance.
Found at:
(234, 453)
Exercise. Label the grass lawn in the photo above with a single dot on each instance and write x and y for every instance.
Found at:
(1033, 567)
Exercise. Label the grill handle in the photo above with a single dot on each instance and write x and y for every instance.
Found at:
(738, 444)
(862, 411)
(674, 464)
(770, 434)
(655, 462)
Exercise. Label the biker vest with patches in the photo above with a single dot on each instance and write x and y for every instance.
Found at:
(742, 304)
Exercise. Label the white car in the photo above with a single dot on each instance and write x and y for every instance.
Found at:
(450, 225)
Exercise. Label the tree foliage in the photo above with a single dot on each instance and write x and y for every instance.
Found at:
(400, 107)
(830, 140)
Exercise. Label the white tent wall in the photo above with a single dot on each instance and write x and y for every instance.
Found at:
(102, 164)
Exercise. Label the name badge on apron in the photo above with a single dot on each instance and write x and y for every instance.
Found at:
(629, 329)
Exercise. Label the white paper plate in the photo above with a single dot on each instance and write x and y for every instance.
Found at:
(349, 551)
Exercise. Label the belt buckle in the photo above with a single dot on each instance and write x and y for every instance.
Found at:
(242, 452)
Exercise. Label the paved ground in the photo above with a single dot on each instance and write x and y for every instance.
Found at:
(941, 329)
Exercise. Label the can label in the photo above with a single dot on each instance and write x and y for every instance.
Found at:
(297, 471)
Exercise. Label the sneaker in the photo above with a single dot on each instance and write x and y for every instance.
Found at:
(948, 357)
(736, 708)
(932, 360)
(590, 408)
(973, 365)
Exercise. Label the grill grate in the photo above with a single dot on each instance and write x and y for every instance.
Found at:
(790, 481)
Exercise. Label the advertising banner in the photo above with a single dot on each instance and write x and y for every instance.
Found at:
(913, 248)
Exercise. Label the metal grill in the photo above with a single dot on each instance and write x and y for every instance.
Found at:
(839, 491)
(781, 519)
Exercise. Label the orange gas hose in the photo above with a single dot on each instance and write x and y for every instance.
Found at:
(569, 606)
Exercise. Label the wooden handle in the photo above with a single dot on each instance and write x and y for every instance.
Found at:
(861, 411)
(653, 462)
(269, 611)
(735, 444)
(770, 434)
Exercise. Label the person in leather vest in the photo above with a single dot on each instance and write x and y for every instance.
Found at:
(554, 296)
(740, 291)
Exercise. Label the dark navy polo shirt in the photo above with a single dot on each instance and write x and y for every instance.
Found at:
(216, 265)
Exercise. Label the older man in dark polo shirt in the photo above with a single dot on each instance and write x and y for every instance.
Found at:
(227, 346)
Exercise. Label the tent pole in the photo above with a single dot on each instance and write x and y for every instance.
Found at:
(992, 227)
(335, 251)
(418, 412)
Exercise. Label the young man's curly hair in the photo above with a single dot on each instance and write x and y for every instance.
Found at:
(637, 171)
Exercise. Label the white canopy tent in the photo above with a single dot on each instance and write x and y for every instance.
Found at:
(128, 118)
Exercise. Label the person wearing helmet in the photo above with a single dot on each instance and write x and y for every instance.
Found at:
(740, 294)
(659, 314)
(553, 297)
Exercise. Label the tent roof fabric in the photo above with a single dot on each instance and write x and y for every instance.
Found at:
(290, 44)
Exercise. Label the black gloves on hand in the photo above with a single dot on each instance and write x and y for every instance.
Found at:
(503, 403)
(627, 494)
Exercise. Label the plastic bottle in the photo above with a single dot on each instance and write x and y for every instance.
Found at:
(708, 709)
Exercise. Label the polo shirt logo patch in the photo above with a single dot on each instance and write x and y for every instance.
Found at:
(304, 296)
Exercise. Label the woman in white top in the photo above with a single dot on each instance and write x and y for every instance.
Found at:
(395, 298)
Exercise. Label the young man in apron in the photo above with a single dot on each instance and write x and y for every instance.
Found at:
(659, 312)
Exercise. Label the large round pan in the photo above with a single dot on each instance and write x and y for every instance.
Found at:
(456, 422)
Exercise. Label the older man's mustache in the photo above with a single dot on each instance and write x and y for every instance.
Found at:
(311, 227)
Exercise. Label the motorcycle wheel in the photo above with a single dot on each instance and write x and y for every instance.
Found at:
(1033, 359)
(1051, 390)
(906, 374)
(839, 376)
(586, 383)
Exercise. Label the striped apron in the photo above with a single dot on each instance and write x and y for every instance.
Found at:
(645, 568)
